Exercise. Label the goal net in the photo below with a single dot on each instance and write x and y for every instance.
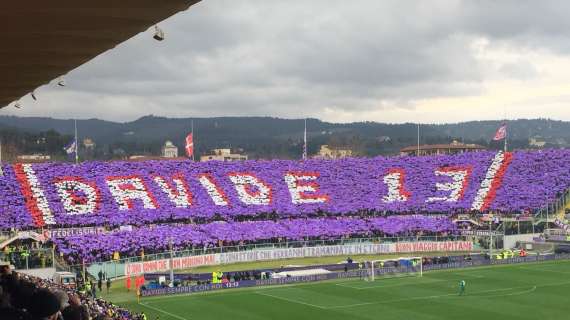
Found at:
(391, 268)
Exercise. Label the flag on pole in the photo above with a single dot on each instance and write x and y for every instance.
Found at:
(71, 148)
(189, 145)
(501, 133)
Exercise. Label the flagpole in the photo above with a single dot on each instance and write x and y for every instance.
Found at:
(506, 135)
(418, 139)
(305, 141)
(506, 128)
(1, 168)
(193, 140)
(76, 143)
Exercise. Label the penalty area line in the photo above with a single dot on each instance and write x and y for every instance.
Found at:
(381, 285)
(291, 300)
(439, 296)
(520, 293)
(163, 311)
(468, 274)
(539, 269)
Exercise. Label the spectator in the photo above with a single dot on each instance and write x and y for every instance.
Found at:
(108, 284)
(5, 270)
(93, 291)
(24, 297)
(75, 313)
(44, 305)
(63, 298)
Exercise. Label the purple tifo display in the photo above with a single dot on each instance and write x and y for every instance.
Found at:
(158, 238)
(116, 193)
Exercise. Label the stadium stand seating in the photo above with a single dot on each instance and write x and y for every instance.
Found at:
(267, 200)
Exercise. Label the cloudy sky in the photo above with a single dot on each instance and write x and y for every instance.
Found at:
(341, 61)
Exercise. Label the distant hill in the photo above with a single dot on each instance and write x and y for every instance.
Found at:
(265, 137)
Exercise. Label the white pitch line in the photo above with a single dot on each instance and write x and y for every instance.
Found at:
(291, 286)
(162, 311)
(291, 300)
(388, 286)
(245, 292)
(436, 296)
(392, 301)
(408, 299)
(224, 293)
(543, 270)
(378, 302)
(520, 293)
(468, 274)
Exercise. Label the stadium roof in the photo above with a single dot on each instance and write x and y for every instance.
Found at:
(43, 40)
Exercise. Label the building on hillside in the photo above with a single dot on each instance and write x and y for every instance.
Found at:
(142, 157)
(224, 155)
(169, 150)
(561, 142)
(434, 149)
(38, 157)
(328, 152)
(537, 142)
(89, 144)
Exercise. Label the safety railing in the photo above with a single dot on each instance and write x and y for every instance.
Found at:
(552, 210)
(29, 259)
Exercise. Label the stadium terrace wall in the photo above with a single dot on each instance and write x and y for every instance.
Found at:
(340, 275)
(116, 193)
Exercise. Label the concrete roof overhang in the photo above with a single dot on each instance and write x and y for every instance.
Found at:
(43, 40)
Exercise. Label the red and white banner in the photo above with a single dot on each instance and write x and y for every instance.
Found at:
(304, 252)
(433, 246)
(501, 133)
(164, 265)
(189, 145)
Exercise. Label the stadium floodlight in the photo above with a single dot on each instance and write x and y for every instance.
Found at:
(61, 82)
(394, 268)
(158, 34)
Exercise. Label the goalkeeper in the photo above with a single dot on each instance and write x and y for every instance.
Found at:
(462, 285)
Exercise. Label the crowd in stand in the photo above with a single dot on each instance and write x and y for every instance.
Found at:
(26, 255)
(23, 297)
(160, 238)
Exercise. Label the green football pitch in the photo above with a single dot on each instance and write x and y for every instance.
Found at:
(523, 291)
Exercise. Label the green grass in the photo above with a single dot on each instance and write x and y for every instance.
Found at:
(524, 291)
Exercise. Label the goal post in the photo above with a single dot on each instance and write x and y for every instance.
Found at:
(393, 268)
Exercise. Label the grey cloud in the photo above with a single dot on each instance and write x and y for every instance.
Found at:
(298, 58)
(521, 70)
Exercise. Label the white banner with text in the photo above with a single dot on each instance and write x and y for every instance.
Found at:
(288, 253)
